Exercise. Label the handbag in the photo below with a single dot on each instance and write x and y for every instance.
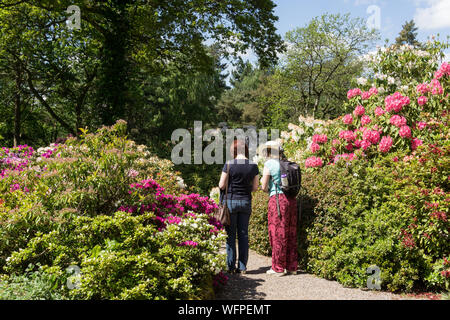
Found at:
(222, 213)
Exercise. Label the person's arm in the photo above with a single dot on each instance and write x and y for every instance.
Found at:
(223, 180)
(265, 179)
(255, 183)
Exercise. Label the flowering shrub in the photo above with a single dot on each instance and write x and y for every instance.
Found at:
(108, 206)
(380, 195)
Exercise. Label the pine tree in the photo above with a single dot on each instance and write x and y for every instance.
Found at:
(408, 35)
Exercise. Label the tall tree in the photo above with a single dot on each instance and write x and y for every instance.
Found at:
(408, 35)
(242, 103)
(95, 70)
(50, 63)
(321, 61)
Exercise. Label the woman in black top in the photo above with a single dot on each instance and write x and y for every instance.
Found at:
(242, 181)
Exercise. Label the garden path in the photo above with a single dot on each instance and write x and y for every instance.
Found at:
(257, 285)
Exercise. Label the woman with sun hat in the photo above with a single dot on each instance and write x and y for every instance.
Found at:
(282, 213)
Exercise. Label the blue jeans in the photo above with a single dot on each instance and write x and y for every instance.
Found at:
(240, 211)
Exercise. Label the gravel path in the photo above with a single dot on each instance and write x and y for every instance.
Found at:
(257, 285)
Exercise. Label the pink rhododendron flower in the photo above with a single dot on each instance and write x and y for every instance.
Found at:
(373, 91)
(436, 87)
(320, 138)
(407, 158)
(348, 119)
(333, 151)
(415, 143)
(379, 111)
(365, 145)
(385, 144)
(358, 144)
(439, 74)
(313, 162)
(405, 132)
(14, 187)
(422, 100)
(366, 95)
(398, 121)
(423, 88)
(349, 147)
(336, 142)
(353, 93)
(396, 102)
(348, 157)
(314, 147)
(421, 125)
(375, 137)
(359, 111)
(189, 243)
(365, 120)
(443, 70)
(347, 135)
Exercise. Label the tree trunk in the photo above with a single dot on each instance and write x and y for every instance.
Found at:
(17, 106)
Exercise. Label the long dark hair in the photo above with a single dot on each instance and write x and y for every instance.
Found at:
(238, 146)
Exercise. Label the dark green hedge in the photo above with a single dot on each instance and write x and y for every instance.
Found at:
(392, 215)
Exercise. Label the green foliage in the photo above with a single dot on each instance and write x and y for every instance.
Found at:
(244, 102)
(121, 258)
(318, 67)
(72, 204)
(404, 67)
(385, 209)
(408, 35)
(258, 231)
(380, 216)
(32, 285)
(140, 61)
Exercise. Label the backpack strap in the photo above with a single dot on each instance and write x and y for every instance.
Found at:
(276, 194)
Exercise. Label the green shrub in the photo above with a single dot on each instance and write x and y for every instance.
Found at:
(33, 285)
(391, 215)
(94, 203)
(258, 229)
(368, 202)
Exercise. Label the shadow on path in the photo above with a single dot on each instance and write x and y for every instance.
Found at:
(261, 270)
(240, 287)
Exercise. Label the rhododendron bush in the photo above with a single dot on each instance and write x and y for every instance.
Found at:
(108, 206)
(376, 180)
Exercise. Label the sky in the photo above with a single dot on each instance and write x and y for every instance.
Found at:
(432, 17)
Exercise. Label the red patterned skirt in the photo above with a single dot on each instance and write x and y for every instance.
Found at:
(283, 233)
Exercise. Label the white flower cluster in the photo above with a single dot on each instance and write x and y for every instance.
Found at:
(181, 183)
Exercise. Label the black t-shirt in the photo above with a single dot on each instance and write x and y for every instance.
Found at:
(240, 179)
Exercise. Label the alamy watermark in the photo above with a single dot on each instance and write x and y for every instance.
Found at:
(74, 281)
(213, 153)
(74, 21)
(374, 280)
(374, 20)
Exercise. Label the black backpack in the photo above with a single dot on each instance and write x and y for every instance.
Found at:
(291, 171)
(291, 180)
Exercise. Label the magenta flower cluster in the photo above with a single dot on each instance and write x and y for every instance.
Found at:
(14, 159)
(220, 279)
(396, 102)
(363, 134)
(314, 162)
(188, 244)
(170, 209)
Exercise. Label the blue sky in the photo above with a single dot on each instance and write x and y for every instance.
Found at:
(431, 16)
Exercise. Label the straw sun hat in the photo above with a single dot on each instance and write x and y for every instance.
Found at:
(273, 146)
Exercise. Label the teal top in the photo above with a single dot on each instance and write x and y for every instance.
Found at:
(275, 172)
